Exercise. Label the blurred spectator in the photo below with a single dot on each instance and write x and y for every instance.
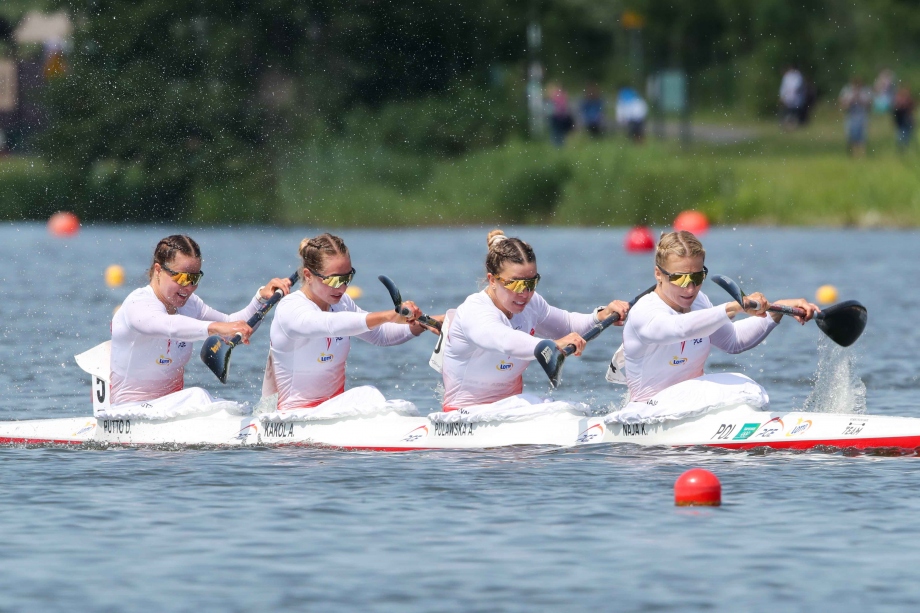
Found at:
(809, 97)
(792, 97)
(592, 111)
(855, 100)
(884, 89)
(903, 108)
(561, 121)
(631, 112)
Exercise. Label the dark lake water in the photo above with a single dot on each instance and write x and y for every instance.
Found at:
(519, 529)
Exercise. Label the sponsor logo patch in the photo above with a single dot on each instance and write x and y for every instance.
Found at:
(90, 425)
(163, 360)
(676, 361)
(855, 426)
(770, 428)
(800, 426)
(503, 365)
(591, 433)
(243, 434)
(325, 357)
(414, 435)
(746, 431)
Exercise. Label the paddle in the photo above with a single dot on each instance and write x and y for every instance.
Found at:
(397, 302)
(843, 323)
(551, 359)
(215, 353)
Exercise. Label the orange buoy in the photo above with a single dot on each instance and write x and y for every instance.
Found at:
(694, 222)
(63, 223)
(826, 294)
(114, 275)
(639, 239)
(697, 487)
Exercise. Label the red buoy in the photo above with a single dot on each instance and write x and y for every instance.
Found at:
(694, 222)
(697, 487)
(639, 239)
(63, 223)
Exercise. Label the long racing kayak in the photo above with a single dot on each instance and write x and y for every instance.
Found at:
(362, 418)
(740, 427)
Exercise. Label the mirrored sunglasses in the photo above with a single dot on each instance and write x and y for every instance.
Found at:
(184, 278)
(683, 279)
(336, 281)
(519, 285)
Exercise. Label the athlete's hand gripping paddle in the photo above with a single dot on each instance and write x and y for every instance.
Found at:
(397, 302)
(215, 353)
(843, 323)
(551, 358)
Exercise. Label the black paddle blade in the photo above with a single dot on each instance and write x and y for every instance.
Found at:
(551, 359)
(394, 291)
(844, 322)
(215, 353)
(729, 286)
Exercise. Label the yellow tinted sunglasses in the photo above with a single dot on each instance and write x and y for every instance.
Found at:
(184, 278)
(336, 281)
(519, 286)
(683, 279)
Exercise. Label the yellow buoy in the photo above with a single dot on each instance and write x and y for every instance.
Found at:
(826, 294)
(114, 275)
(354, 292)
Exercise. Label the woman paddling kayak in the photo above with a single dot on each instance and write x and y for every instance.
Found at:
(312, 328)
(671, 331)
(492, 335)
(153, 331)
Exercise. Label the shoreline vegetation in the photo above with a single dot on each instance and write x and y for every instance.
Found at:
(765, 177)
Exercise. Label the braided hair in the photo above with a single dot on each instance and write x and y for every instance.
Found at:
(168, 247)
(504, 249)
(313, 251)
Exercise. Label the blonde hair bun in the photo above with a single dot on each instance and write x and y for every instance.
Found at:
(495, 237)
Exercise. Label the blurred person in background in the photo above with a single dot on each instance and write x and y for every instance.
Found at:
(855, 100)
(561, 121)
(592, 111)
(631, 113)
(884, 91)
(903, 110)
(792, 97)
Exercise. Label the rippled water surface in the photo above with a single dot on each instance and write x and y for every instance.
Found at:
(519, 529)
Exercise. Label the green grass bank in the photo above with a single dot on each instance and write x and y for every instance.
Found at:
(770, 177)
(802, 177)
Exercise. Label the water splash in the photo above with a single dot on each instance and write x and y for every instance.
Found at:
(837, 388)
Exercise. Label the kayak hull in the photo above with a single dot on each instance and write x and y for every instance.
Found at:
(739, 427)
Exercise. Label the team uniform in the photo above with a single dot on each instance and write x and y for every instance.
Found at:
(485, 353)
(309, 348)
(663, 347)
(150, 347)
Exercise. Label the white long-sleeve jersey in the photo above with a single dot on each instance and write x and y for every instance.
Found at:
(663, 347)
(485, 353)
(150, 347)
(310, 347)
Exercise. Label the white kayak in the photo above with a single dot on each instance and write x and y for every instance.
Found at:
(740, 427)
(362, 419)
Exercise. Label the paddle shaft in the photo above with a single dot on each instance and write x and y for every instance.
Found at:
(424, 319)
(263, 310)
(780, 308)
(605, 323)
